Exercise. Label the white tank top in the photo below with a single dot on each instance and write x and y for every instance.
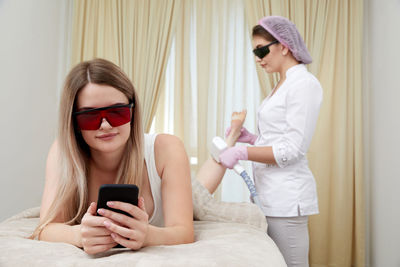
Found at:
(157, 218)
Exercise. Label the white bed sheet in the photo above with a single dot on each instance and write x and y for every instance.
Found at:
(226, 234)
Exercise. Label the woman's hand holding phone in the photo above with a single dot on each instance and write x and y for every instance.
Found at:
(130, 232)
(95, 237)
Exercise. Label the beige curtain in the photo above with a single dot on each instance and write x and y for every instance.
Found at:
(333, 33)
(201, 76)
(184, 97)
(134, 34)
(194, 114)
(212, 79)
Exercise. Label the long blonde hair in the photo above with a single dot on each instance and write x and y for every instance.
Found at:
(72, 190)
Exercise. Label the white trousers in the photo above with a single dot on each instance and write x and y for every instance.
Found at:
(290, 234)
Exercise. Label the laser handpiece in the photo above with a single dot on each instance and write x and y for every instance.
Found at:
(217, 147)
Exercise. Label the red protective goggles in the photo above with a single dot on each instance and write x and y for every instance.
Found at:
(115, 115)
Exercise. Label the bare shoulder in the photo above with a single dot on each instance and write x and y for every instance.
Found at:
(167, 141)
(167, 145)
(168, 149)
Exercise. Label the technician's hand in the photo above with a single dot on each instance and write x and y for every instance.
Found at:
(95, 237)
(232, 155)
(126, 231)
(245, 136)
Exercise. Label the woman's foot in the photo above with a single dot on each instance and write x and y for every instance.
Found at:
(237, 121)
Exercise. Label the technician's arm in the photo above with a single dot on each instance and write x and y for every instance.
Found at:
(261, 154)
(302, 108)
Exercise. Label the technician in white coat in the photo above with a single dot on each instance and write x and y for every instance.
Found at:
(286, 121)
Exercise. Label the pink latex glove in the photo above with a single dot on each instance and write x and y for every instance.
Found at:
(245, 136)
(232, 155)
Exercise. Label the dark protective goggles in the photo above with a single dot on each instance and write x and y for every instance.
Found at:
(116, 115)
(261, 52)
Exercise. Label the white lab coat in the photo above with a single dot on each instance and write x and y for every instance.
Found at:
(286, 121)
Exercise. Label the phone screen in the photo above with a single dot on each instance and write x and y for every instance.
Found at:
(117, 192)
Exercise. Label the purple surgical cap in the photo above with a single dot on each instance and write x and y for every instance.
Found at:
(287, 34)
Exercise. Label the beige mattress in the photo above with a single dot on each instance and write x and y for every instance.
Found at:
(226, 234)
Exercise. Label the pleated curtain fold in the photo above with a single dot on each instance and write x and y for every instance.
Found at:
(134, 34)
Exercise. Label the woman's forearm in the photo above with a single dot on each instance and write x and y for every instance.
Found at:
(60, 232)
(173, 235)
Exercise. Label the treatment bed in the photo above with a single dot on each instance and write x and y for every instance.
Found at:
(226, 234)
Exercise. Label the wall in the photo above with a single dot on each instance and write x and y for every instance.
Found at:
(31, 35)
(382, 118)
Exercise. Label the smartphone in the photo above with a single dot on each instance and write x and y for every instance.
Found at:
(117, 192)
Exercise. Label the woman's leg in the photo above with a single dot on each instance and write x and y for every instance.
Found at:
(290, 234)
(210, 173)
